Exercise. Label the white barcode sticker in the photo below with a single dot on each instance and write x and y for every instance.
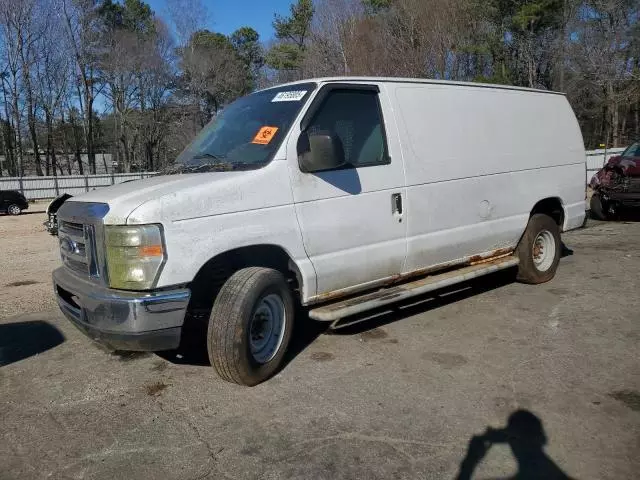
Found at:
(293, 96)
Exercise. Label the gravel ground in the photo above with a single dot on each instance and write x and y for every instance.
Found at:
(402, 396)
(28, 255)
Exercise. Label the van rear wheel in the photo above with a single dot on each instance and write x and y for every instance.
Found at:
(250, 326)
(539, 250)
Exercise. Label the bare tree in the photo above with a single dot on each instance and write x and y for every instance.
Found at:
(187, 17)
(53, 76)
(84, 32)
(12, 73)
(602, 60)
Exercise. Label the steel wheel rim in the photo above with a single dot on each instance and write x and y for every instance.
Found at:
(544, 250)
(267, 328)
(14, 210)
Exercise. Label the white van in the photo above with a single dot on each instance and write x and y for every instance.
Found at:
(343, 194)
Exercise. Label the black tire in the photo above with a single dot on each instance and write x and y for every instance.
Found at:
(14, 209)
(598, 210)
(228, 342)
(528, 272)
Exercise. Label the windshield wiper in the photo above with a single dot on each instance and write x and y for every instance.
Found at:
(213, 156)
(216, 166)
(210, 167)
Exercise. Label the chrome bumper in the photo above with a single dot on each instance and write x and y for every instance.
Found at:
(120, 320)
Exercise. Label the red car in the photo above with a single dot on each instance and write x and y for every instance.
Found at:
(617, 185)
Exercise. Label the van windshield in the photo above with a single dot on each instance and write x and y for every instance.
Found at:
(245, 134)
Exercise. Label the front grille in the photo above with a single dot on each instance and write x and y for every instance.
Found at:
(80, 231)
(633, 184)
(77, 248)
(73, 228)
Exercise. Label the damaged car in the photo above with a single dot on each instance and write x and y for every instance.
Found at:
(617, 185)
(52, 213)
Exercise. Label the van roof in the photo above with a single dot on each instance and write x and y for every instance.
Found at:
(415, 80)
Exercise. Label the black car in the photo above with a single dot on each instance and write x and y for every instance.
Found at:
(12, 202)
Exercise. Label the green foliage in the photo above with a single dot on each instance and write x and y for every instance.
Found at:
(292, 32)
(246, 41)
(132, 15)
(376, 6)
(205, 39)
(296, 27)
(285, 56)
(537, 15)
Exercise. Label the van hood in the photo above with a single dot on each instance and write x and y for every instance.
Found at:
(178, 197)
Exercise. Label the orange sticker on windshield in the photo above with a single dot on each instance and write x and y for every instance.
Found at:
(265, 135)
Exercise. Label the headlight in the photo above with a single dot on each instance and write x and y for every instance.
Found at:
(135, 255)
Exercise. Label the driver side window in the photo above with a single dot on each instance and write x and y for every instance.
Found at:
(354, 116)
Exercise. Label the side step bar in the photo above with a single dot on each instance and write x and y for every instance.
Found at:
(396, 293)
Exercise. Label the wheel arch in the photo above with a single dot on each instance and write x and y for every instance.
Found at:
(216, 271)
(552, 206)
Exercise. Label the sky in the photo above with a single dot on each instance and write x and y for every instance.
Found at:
(225, 16)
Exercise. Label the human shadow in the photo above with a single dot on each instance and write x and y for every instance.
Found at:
(22, 340)
(526, 437)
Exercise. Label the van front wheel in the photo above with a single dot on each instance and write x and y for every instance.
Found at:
(539, 250)
(250, 326)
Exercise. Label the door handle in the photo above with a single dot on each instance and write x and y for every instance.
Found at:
(396, 203)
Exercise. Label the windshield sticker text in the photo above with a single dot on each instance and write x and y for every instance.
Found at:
(265, 135)
(293, 96)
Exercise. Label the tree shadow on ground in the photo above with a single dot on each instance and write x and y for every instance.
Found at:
(526, 437)
(22, 340)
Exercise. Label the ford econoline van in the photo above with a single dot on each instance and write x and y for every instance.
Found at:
(340, 194)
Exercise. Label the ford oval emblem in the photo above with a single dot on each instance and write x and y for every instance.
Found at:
(68, 245)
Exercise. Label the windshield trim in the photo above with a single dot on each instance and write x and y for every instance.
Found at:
(311, 88)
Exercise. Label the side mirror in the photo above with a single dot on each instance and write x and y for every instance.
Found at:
(320, 151)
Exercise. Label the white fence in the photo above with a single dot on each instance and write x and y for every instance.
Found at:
(596, 159)
(35, 188)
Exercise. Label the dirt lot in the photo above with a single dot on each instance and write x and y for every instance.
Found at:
(28, 255)
(399, 397)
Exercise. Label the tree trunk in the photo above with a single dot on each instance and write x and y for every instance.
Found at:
(51, 150)
(637, 120)
(149, 155)
(126, 167)
(6, 132)
(563, 44)
(76, 146)
(91, 155)
(31, 121)
(18, 134)
(623, 126)
(615, 126)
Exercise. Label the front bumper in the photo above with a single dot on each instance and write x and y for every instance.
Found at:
(626, 199)
(120, 320)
